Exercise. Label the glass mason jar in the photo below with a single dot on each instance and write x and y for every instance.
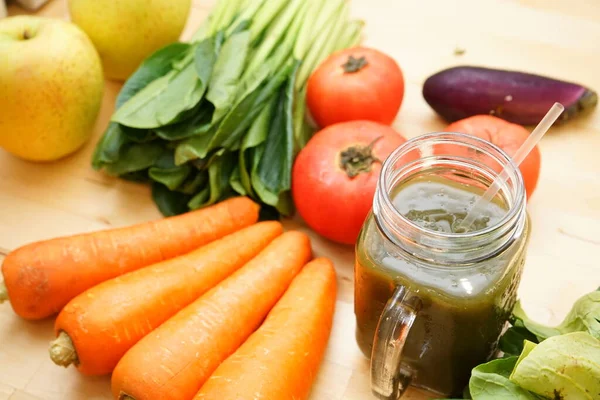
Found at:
(431, 305)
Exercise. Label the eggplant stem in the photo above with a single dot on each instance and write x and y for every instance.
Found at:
(3, 293)
(62, 351)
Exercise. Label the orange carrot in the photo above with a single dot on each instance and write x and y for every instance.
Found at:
(281, 359)
(42, 277)
(173, 361)
(97, 327)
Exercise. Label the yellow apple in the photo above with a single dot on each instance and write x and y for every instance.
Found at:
(51, 87)
(125, 32)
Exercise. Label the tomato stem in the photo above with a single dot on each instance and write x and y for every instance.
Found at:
(357, 159)
(354, 64)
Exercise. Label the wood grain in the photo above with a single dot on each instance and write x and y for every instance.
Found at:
(554, 38)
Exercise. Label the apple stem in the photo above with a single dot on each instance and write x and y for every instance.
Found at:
(26, 35)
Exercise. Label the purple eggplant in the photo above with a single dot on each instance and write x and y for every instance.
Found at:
(518, 97)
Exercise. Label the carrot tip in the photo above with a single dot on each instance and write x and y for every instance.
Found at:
(62, 351)
(3, 293)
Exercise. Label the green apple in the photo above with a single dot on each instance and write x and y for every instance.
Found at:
(51, 87)
(125, 32)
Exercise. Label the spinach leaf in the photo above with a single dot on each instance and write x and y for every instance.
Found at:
(138, 135)
(235, 182)
(163, 100)
(195, 147)
(254, 99)
(155, 66)
(256, 135)
(168, 202)
(584, 316)
(108, 148)
(135, 157)
(166, 172)
(491, 381)
(194, 183)
(511, 342)
(227, 71)
(219, 172)
(561, 367)
(275, 167)
(198, 124)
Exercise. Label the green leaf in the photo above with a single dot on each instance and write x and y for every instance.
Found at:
(205, 56)
(163, 100)
(235, 182)
(511, 342)
(262, 192)
(256, 135)
(138, 135)
(153, 67)
(219, 173)
(168, 202)
(135, 157)
(275, 166)
(226, 73)
(527, 347)
(242, 115)
(561, 367)
(158, 64)
(491, 381)
(584, 316)
(166, 172)
(302, 131)
(198, 124)
(194, 183)
(193, 148)
(108, 148)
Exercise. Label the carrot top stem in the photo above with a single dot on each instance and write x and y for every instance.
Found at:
(3, 293)
(62, 351)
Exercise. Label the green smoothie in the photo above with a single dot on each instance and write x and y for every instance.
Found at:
(462, 309)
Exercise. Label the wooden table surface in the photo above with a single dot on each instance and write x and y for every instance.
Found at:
(552, 37)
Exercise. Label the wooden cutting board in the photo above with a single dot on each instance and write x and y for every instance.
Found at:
(551, 37)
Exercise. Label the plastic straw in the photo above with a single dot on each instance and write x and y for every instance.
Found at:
(518, 158)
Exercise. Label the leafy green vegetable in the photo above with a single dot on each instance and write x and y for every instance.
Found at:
(223, 115)
(274, 168)
(511, 343)
(199, 124)
(166, 172)
(219, 172)
(164, 99)
(561, 367)
(584, 316)
(491, 381)
(135, 157)
(227, 71)
(155, 66)
(169, 202)
(245, 111)
(108, 149)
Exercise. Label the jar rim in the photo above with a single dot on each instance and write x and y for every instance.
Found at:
(506, 161)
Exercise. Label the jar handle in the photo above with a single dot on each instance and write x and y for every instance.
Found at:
(389, 378)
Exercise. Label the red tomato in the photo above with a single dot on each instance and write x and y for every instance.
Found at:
(355, 84)
(509, 137)
(335, 175)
